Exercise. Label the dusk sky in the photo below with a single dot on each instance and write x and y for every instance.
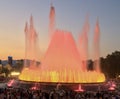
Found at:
(70, 16)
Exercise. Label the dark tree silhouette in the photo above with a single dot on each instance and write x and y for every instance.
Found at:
(110, 65)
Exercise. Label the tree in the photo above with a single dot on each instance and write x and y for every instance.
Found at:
(6, 71)
(90, 65)
(111, 64)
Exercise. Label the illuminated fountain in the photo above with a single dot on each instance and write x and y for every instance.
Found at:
(64, 61)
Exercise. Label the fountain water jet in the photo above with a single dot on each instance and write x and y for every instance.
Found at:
(52, 21)
(96, 49)
(62, 62)
(31, 39)
(83, 44)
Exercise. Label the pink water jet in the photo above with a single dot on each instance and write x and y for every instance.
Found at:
(52, 21)
(83, 44)
(96, 47)
(62, 62)
(62, 53)
(79, 89)
(31, 39)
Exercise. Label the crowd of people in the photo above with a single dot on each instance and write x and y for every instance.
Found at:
(23, 93)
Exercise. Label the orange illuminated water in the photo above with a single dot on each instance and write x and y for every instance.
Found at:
(62, 62)
(63, 76)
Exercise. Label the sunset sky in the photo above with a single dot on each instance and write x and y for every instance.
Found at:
(70, 16)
